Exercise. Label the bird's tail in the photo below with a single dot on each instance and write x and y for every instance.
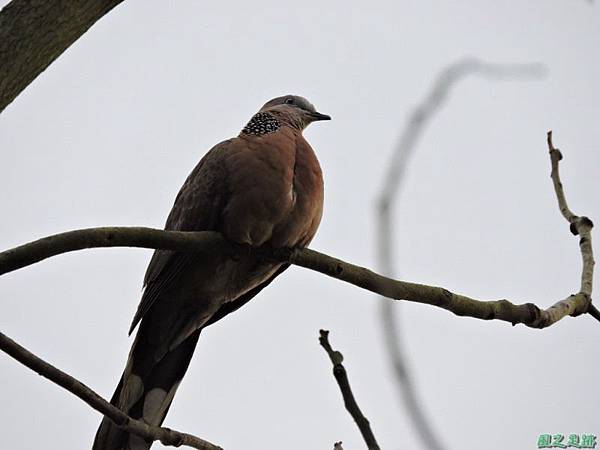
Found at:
(145, 392)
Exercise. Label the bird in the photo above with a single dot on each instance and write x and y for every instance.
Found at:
(263, 187)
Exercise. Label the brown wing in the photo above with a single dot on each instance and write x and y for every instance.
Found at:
(197, 207)
(236, 304)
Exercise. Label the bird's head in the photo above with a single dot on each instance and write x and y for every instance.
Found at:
(293, 110)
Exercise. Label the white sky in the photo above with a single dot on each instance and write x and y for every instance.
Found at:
(109, 132)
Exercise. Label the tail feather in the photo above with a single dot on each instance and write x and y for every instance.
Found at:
(154, 369)
(152, 402)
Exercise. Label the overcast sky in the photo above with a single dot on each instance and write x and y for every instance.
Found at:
(107, 135)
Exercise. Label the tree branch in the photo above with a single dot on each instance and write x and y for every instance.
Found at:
(461, 305)
(33, 33)
(140, 237)
(339, 372)
(580, 226)
(417, 121)
(421, 115)
(165, 435)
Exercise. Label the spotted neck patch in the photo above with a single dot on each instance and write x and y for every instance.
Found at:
(261, 123)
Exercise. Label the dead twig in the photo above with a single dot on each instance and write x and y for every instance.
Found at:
(339, 372)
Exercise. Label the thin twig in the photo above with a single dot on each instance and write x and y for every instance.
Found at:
(580, 226)
(165, 435)
(422, 114)
(413, 129)
(339, 372)
(207, 241)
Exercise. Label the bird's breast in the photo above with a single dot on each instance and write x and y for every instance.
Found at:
(276, 190)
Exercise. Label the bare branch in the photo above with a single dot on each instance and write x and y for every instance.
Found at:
(165, 435)
(339, 372)
(422, 114)
(580, 226)
(33, 33)
(527, 314)
(141, 237)
(412, 131)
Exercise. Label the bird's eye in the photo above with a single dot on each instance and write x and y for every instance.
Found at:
(289, 101)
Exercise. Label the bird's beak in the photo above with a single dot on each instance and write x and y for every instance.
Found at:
(318, 116)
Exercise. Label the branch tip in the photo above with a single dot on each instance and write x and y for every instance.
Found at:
(341, 376)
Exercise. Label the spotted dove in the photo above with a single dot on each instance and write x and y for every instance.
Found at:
(263, 187)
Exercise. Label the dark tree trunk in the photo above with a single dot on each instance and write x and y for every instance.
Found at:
(33, 33)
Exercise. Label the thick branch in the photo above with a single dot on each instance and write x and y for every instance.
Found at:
(339, 372)
(165, 435)
(33, 33)
(527, 314)
(140, 237)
